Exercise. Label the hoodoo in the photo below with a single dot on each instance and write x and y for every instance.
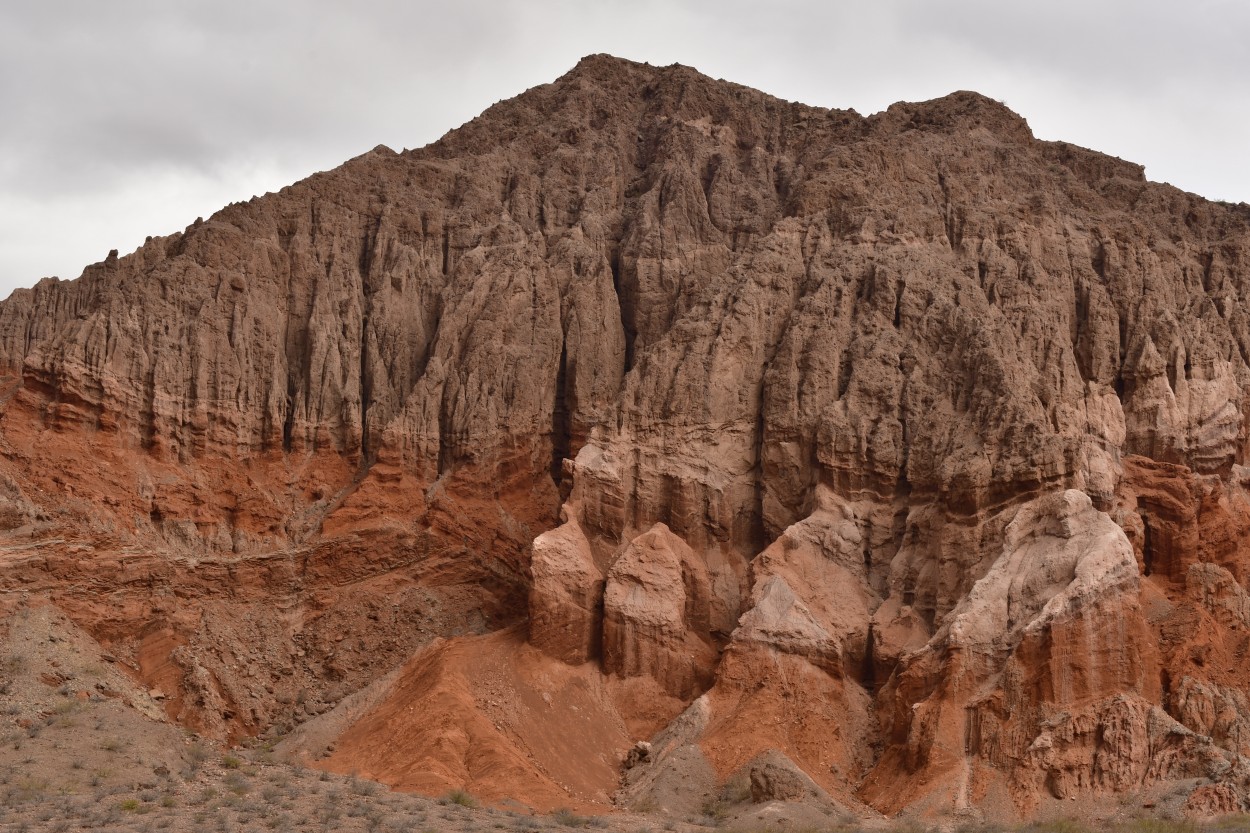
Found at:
(647, 436)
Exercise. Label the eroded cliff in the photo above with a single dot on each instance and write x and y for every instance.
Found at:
(889, 461)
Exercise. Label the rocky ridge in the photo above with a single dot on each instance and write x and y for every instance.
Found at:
(894, 463)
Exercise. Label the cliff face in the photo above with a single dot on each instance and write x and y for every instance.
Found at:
(906, 451)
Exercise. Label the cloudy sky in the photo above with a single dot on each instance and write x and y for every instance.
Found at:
(126, 118)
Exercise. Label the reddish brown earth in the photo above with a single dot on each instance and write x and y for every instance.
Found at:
(888, 464)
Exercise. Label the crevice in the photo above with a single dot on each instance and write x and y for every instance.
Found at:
(1082, 344)
(422, 360)
(1098, 261)
(845, 368)
(288, 421)
(1147, 546)
(444, 441)
(560, 422)
(868, 673)
(367, 246)
(366, 393)
(302, 295)
(952, 217)
(709, 176)
(760, 538)
(1122, 326)
(902, 489)
(954, 227)
(147, 417)
(614, 263)
(1241, 348)
(669, 491)
(898, 527)
(509, 188)
(623, 306)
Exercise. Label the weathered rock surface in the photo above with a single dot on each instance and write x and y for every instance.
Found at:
(566, 592)
(775, 778)
(908, 446)
(655, 614)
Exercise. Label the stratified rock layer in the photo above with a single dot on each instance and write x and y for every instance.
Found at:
(906, 450)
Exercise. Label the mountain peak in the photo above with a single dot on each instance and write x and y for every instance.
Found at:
(960, 111)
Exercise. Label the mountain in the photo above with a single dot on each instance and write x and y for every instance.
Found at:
(649, 439)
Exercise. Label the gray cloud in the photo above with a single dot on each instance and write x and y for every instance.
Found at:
(130, 118)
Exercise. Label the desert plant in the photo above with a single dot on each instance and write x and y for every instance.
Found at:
(567, 818)
(461, 798)
(198, 754)
(1162, 825)
(362, 786)
(373, 820)
(237, 783)
(1055, 826)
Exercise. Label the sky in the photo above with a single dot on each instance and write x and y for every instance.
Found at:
(130, 118)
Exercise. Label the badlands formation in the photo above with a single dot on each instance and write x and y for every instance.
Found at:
(649, 442)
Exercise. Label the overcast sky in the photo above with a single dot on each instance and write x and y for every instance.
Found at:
(126, 118)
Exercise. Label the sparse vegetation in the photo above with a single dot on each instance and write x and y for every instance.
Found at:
(237, 783)
(461, 798)
(567, 818)
(197, 755)
(1162, 825)
(361, 786)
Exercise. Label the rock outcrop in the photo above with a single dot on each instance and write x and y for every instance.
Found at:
(908, 449)
(566, 594)
(655, 615)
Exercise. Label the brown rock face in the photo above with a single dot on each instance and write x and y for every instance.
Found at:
(655, 615)
(907, 449)
(566, 589)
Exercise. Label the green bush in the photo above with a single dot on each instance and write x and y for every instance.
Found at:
(462, 798)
